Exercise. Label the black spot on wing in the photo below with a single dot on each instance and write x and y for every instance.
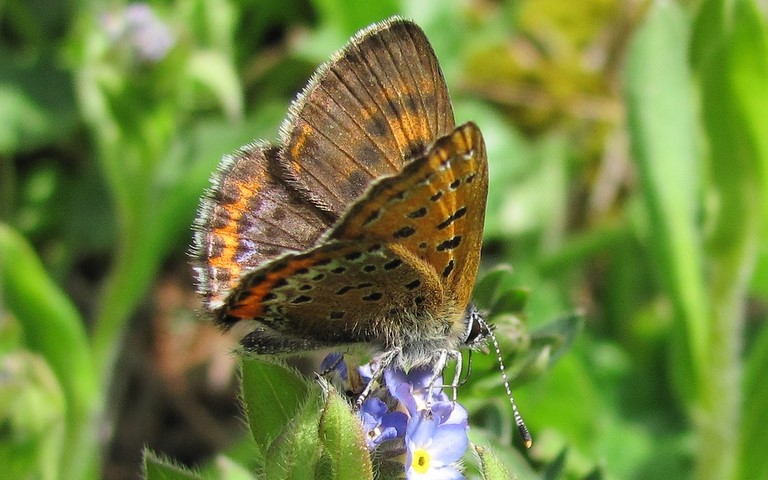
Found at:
(373, 297)
(414, 284)
(456, 215)
(375, 215)
(449, 244)
(404, 232)
(301, 299)
(344, 289)
(392, 264)
(353, 255)
(418, 213)
(448, 269)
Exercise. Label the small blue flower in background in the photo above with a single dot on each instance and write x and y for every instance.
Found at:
(379, 424)
(138, 29)
(434, 448)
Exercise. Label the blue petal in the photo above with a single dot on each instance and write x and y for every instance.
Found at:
(394, 377)
(449, 442)
(374, 407)
(450, 413)
(420, 376)
(404, 395)
(388, 433)
(420, 430)
(396, 420)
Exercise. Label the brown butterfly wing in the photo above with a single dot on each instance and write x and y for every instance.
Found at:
(247, 217)
(338, 293)
(434, 210)
(379, 102)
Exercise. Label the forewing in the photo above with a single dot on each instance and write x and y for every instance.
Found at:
(378, 102)
(434, 210)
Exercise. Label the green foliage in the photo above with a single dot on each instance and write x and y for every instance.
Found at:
(491, 467)
(286, 392)
(300, 431)
(629, 160)
(344, 440)
(55, 352)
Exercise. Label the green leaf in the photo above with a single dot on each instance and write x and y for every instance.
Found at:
(753, 462)
(32, 412)
(555, 469)
(227, 469)
(663, 142)
(595, 474)
(344, 440)
(749, 63)
(273, 395)
(497, 291)
(491, 467)
(511, 301)
(734, 78)
(298, 449)
(52, 324)
(53, 327)
(496, 435)
(707, 29)
(215, 72)
(558, 335)
(158, 468)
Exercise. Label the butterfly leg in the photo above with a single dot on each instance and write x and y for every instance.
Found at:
(384, 361)
(442, 360)
(457, 373)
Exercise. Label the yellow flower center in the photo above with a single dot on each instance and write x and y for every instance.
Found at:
(421, 461)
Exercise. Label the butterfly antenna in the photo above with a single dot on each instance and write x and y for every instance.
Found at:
(527, 440)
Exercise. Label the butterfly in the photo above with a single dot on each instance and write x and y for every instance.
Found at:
(362, 228)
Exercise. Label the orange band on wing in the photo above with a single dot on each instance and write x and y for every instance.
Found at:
(252, 306)
(227, 235)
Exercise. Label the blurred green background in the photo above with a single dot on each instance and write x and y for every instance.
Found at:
(628, 150)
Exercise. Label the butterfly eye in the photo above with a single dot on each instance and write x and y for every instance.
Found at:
(477, 330)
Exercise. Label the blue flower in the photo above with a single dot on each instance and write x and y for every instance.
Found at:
(434, 428)
(434, 448)
(380, 425)
(412, 389)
